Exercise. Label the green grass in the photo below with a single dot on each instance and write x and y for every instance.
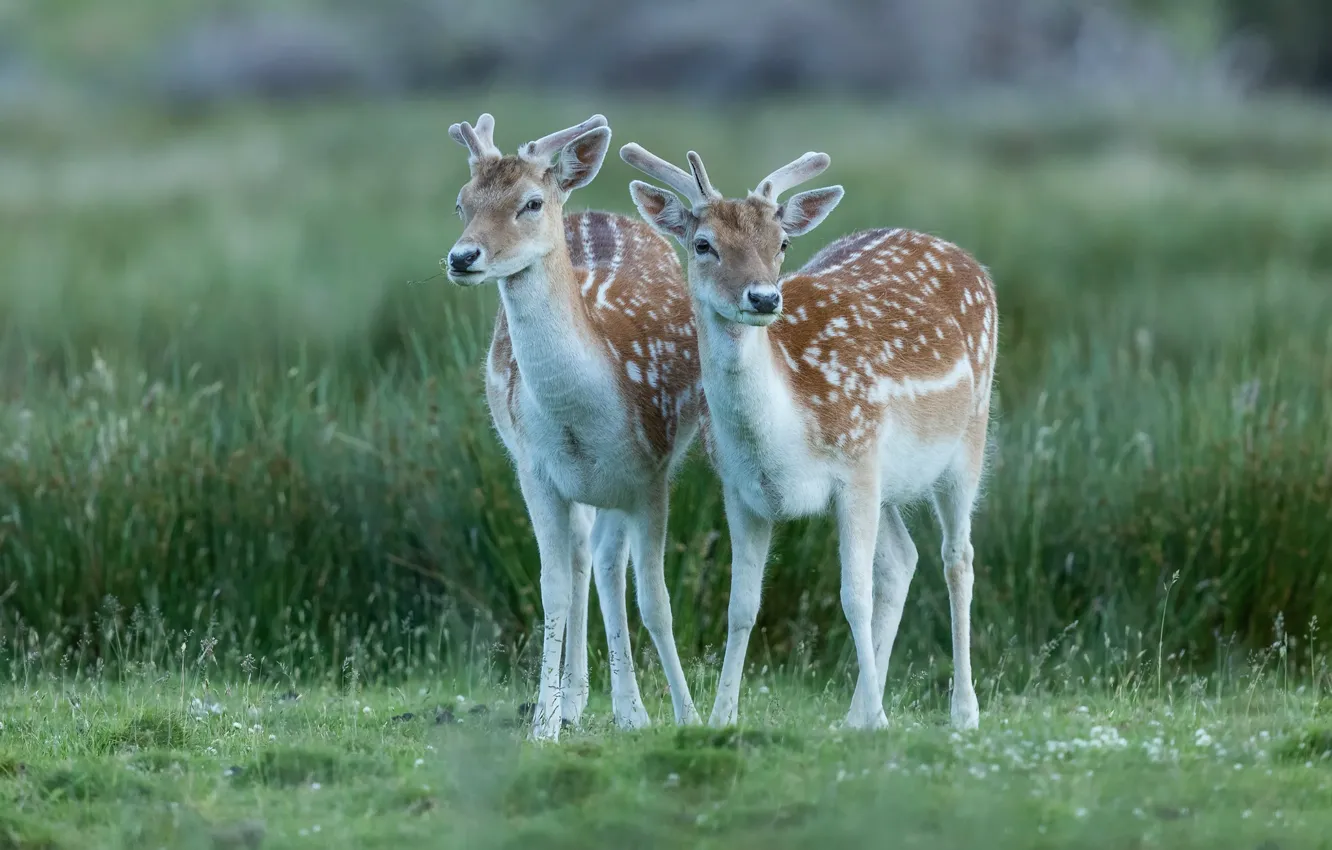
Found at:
(252, 513)
(163, 761)
(227, 413)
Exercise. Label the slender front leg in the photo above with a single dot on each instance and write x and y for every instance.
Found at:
(857, 531)
(648, 539)
(552, 519)
(895, 558)
(574, 684)
(751, 535)
(610, 559)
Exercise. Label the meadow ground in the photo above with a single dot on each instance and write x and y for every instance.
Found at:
(161, 761)
(242, 457)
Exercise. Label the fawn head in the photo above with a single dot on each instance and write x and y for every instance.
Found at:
(735, 246)
(512, 208)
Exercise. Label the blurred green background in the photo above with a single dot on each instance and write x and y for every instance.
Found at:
(228, 413)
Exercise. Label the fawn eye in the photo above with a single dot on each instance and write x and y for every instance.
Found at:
(701, 246)
(533, 205)
(786, 243)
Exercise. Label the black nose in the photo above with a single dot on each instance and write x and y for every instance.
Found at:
(764, 302)
(463, 261)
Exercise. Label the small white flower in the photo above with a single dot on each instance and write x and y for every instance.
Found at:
(672, 780)
(763, 689)
(365, 710)
(272, 737)
(315, 786)
(235, 726)
(1246, 814)
(303, 832)
(1082, 709)
(419, 762)
(314, 828)
(1080, 813)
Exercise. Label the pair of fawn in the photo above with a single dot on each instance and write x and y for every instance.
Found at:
(857, 384)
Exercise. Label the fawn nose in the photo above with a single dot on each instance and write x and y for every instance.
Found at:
(460, 260)
(765, 299)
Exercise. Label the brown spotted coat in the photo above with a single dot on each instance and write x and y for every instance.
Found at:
(882, 318)
(634, 301)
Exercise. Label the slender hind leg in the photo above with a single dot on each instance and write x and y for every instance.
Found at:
(954, 500)
(574, 681)
(610, 559)
(895, 559)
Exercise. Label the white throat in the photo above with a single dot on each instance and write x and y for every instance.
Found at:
(760, 431)
(741, 378)
(548, 329)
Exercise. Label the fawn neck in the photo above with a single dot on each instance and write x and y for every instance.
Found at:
(549, 327)
(749, 397)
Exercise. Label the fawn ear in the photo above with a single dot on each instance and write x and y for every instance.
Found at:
(580, 160)
(801, 213)
(661, 209)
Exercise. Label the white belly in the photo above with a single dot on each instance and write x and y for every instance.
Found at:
(909, 467)
(780, 479)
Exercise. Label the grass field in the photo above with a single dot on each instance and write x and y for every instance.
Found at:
(227, 408)
(242, 456)
(169, 759)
